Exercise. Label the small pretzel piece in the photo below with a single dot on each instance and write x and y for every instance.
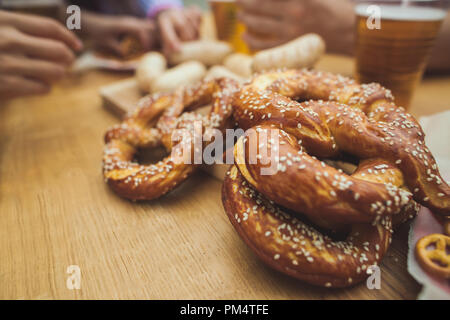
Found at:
(436, 261)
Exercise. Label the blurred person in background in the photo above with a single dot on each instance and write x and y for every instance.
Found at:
(273, 22)
(37, 51)
(155, 23)
(34, 53)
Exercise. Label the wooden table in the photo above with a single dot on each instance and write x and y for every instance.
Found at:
(56, 211)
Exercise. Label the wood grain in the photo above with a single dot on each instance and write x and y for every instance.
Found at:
(55, 211)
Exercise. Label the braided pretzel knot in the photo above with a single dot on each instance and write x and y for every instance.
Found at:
(393, 161)
(152, 125)
(437, 260)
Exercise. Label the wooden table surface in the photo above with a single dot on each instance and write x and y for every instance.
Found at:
(56, 211)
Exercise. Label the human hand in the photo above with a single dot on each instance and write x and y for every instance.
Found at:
(34, 53)
(177, 25)
(273, 22)
(108, 32)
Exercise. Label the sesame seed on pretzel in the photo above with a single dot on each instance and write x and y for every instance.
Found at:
(152, 125)
(337, 117)
(294, 247)
(361, 120)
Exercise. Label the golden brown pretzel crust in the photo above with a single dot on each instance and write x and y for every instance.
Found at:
(145, 182)
(291, 246)
(324, 194)
(360, 120)
(436, 260)
(369, 125)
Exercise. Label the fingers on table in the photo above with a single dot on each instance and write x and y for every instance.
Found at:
(179, 25)
(170, 40)
(15, 41)
(42, 70)
(194, 17)
(46, 28)
(183, 25)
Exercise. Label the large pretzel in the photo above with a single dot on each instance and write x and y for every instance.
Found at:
(361, 120)
(135, 181)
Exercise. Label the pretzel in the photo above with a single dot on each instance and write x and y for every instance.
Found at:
(134, 181)
(290, 245)
(435, 261)
(360, 120)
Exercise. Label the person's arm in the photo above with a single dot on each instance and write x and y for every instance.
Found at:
(34, 53)
(440, 57)
(167, 23)
(273, 22)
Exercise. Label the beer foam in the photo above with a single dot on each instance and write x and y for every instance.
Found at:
(403, 12)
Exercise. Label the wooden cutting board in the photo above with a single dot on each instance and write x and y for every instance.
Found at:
(121, 97)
